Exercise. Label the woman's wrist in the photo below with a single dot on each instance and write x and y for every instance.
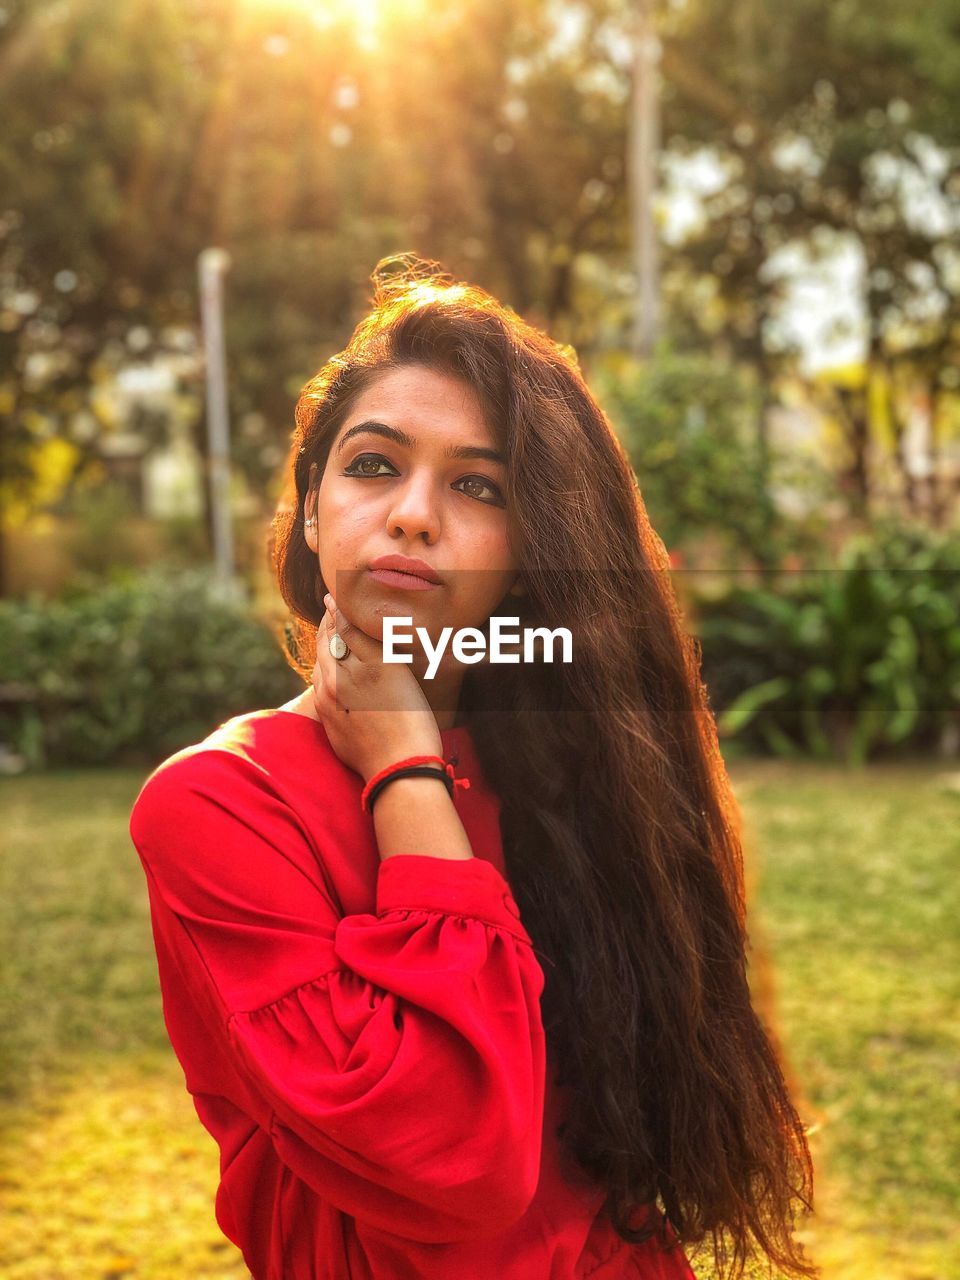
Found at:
(402, 751)
(417, 815)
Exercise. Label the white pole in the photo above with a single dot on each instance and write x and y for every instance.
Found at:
(644, 145)
(212, 264)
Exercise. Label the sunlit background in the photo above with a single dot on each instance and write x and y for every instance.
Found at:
(743, 218)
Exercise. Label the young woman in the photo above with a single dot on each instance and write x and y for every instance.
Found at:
(455, 963)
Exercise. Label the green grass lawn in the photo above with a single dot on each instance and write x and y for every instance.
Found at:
(854, 886)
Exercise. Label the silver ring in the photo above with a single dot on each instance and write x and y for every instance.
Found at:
(338, 647)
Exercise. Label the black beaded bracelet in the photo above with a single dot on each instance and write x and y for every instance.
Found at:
(409, 771)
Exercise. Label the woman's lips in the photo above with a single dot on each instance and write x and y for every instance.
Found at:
(405, 581)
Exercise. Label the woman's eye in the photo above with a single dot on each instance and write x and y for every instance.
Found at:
(359, 467)
(356, 467)
(487, 484)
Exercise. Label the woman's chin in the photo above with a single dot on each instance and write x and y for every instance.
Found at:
(378, 602)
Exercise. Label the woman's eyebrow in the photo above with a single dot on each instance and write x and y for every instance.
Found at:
(402, 438)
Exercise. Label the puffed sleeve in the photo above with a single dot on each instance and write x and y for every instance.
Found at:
(399, 1056)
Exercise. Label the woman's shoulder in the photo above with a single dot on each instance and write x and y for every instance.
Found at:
(227, 824)
(279, 763)
(271, 752)
(262, 737)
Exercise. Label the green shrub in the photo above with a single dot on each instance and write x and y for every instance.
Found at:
(688, 423)
(846, 662)
(101, 539)
(132, 669)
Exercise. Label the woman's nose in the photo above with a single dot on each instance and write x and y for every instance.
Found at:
(416, 510)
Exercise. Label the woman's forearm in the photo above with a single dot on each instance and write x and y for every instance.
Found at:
(418, 815)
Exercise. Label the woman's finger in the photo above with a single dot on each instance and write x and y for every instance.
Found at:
(329, 668)
(324, 670)
(362, 647)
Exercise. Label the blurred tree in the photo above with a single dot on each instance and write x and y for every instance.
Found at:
(686, 421)
(138, 134)
(833, 123)
(487, 134)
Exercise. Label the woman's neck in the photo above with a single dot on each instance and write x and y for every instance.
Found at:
(444, 699)
(445, 710)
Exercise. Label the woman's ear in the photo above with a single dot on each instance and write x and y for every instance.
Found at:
(518, 588)
(310, 512)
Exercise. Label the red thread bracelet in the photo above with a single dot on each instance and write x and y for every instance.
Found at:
(399, 765)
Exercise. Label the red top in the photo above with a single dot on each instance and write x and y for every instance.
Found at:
(363, 1038)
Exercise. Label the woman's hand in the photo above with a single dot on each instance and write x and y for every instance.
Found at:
(374, 712)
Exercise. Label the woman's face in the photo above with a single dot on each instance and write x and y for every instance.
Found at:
(390, 487)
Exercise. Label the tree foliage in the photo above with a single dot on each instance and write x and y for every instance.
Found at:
(488, 135)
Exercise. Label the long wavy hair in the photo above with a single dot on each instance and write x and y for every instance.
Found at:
(620, 830)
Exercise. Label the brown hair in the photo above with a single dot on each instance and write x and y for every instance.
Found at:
(620, 829)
